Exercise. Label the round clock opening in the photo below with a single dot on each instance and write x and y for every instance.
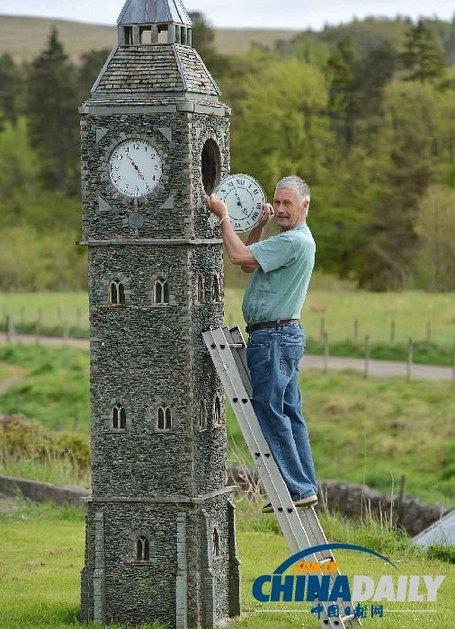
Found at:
(211, 166)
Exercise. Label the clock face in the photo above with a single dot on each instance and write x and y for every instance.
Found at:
(244, 198)
(135, 168)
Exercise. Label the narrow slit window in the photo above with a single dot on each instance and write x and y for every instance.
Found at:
(117, 293)
(128, 35)
(161, 294)
(217, 412)
(142, 549)
(200, 289)
(119, 417)
(164, 418)
(216, 290)
(215, 543)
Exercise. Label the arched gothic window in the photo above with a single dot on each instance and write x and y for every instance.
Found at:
(161, 291)
(117, 292)
(164, 418)
(119, 417)
(142, 550)
(200, 289)
(215, 543)
(216, 289)
(202, 416)
(217, 412)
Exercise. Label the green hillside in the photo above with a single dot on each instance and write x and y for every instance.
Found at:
(24, 37)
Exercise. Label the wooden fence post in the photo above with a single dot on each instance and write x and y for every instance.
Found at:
(8, 327)
(66, 334)
(37, 331)
(410, 360)
(400, 500)
(392, 331)
(322, 330)
(367, 357)
(326, 352)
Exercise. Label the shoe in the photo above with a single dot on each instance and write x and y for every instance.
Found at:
(308, 501)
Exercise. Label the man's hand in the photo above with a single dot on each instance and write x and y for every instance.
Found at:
(216, 206)
(267, 214)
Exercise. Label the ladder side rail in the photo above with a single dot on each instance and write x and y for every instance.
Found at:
(249, 434)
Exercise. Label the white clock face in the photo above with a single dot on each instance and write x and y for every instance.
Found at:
(244, 198)
(135, 168)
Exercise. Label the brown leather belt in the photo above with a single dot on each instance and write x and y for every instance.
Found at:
(270, 324)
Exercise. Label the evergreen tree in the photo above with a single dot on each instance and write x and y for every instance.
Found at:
(204, 42)
(422, 58)
(376, 70)
(10, 87)
(344, 92)
(404, 167)
(89, 69)
(53, 122)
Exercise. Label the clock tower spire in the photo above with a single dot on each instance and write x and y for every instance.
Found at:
(151, 21)
(160, 525)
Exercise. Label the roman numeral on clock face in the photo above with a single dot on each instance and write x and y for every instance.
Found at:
(244, 199)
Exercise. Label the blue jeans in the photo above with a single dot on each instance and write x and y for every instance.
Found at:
(273, 356)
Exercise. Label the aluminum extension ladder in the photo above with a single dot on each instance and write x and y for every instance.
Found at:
(300, 526)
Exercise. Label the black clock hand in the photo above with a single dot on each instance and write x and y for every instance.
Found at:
(239, 203)
(136, 167)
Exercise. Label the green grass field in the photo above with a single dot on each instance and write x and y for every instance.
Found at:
(428, 318)
(42, 555)
(370, 431)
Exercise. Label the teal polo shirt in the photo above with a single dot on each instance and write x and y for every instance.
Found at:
(278, 288)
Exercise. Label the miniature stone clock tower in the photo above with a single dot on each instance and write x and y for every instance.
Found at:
(160, 525)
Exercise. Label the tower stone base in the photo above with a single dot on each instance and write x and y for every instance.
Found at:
(117, 586)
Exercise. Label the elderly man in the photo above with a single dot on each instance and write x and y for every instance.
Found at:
(282, 266)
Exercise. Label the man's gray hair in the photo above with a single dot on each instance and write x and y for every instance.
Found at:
(300, 187)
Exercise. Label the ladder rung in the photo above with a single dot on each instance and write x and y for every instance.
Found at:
(347, 618)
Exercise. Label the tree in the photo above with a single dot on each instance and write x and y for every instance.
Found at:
(344, 91)
(204, 42)
(404, 167)
(89, 69)
(10, 88)
(422, 58)
(376, 70)
(280, 126)
(53, 123)
(436, 230)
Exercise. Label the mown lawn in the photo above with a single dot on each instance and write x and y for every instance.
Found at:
(370, 431)
(42, 555)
